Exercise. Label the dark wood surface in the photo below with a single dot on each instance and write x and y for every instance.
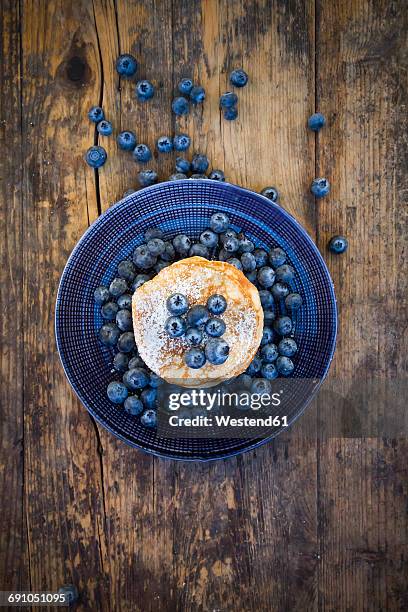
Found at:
(306, 522)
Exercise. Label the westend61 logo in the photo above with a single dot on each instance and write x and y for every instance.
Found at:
(222, 399)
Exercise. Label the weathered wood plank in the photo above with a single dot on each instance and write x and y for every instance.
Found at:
(363, 151)
(14, 572)
(63, 485)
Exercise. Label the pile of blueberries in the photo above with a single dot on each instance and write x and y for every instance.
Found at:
(269, 271)
(202, 328)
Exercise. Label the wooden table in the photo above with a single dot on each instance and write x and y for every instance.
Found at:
(304, 523)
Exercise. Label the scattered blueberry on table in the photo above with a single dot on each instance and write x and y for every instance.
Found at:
(126, 65)
(200, 163)
(147, 177)
(185, 86)
(217, 175)
(126, 140)
(181, 142)
(316, 122)
(144, 90)
(95, 156)
(164, 144)
(180, 106)
(228, 99)
(104, 128)
(96, 114)
(238, 78)
(231, 113)
(271, 193)
(320, 187)
(338, 244)
(177, 176)
(142, 153)
(197, 94)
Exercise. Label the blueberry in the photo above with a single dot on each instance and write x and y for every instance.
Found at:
(169, 252)
(261, 257)
(194, 336)
(177, 176)
(266, 299)
(338, 244)
(177, 304)
(185, 86)
(117, 392)
(153, 232)
(238, 78)
(96, 114)
(156, 246)
(269, 353)
(260, 386)
(228, 99)
(182, 165)
(252, 276)
(149, 418)
(235, 262)
(223, 255)
(104, 128)
(109, 334)
(198, 176)
(175, 327)
(95, 156)
(277, 257)
(117, 287)
(124, 320)
(231, 245)
(219, 222)
(126, 342)
(245, 380)
(136, 378)
(135, 362)
(245, 244)
(180, 106)
(126, 140)
(164, 144)
(197, 95)
(255, 366)
(215, 327)
(320, 187)
(127, 270)
(209, 239)
(217, 175)
(266, 277)
(248, 262)
(194, 358)
(142, 153)
(217, 304)
(182, 244)
(197, 316)
(144, 90)
(155, 381)
(121, 362)
(181, 142)
(216, 351)
(230, 114)
(269, 317)
(287, 347)
(271, 193)
(316, 122)
(70, 593)
(133, 405)
(285, 273)
(267, 336)
(147, 178)
(128, 192)
(269, 371)
(125, 301)
(161, 265)
(101, 295)
(283, 325)
(139, 281)
(280, 290)
(126, 65)
(199, 250)
(109, 310)
(230, 233)
(149, 397)
(200, 163)
(293, 302)
(284, 366)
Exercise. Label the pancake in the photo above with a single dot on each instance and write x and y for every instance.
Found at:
(197, 279)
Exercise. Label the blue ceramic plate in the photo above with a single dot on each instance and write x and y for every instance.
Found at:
(184, 207)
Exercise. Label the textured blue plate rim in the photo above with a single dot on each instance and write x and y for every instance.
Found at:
(237, 190)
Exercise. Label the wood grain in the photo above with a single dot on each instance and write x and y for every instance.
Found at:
(306, 522)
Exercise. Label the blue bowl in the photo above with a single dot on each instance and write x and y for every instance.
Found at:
(185, 207)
